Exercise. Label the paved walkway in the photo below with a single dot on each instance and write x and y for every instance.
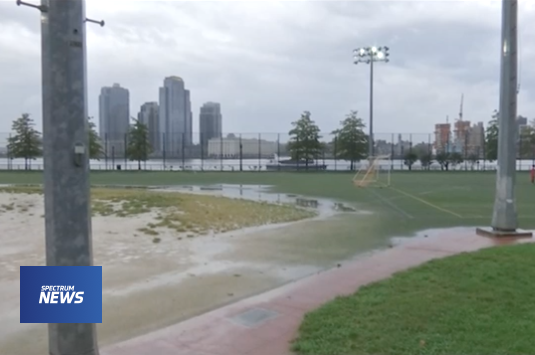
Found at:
(266, 324)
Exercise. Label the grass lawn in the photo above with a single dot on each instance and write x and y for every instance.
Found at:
(472, 303)
(477, 303)
(415, 201)
(186, 214)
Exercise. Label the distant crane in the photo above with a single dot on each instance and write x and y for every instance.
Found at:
(461, 108)
(460, 128)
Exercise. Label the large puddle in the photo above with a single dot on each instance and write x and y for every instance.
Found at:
(148, 286)
(264, 193)
(178, 278)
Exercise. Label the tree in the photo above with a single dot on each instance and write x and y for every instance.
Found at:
(304, 139)
(421, 148)
(95, 147)
(139, 146)
(26, 142)
(491, 138)
(426, 159)
(410, 158)
(443, 159)
(423, 154)
(473, 159)
(329, 149)
(455, 158)
(351, 141)
(527, 143)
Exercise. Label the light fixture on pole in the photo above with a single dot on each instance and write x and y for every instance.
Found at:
(369, 55)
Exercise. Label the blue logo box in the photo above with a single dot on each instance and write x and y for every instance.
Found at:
(61, 294)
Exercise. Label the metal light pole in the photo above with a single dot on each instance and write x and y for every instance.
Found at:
(369, 55)
(504, 217)
(65, 155)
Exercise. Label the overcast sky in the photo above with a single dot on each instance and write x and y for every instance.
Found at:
(268, 61)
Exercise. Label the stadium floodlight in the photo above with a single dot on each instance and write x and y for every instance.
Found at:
(369, 55)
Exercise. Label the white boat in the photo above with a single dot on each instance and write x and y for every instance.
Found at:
(278, 164)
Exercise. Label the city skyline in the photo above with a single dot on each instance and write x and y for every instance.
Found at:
(266, 73)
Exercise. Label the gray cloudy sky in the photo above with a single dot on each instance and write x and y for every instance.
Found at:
(267, 61)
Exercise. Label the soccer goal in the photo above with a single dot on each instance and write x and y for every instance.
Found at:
(376, 173)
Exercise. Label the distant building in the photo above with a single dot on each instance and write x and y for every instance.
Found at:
(114, 118)
(175, 118)
(521, 124)
(148, 115)
(476, 140)
(460, 138)
(461, 130)
(251, 148)
(395, 148)
(210, 123)
(442, 137)
(382, 147)
(521, 120)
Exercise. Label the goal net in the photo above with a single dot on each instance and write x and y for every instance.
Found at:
(374, 173)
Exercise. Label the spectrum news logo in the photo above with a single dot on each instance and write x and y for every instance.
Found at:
(61, 294)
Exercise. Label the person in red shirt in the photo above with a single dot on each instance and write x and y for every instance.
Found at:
(532, 174)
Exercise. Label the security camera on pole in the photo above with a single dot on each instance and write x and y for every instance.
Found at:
(504, 218)
(66, 161)
(370, 55)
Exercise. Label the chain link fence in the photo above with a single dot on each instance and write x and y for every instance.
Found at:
(271, 152)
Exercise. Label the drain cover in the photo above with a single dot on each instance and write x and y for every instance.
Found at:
(254, 317)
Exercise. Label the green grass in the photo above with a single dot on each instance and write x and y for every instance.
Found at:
(418, 200)
(183, 213)
(468, 304)
(472, 303)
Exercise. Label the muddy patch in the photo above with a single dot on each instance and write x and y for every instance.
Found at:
(149, 285)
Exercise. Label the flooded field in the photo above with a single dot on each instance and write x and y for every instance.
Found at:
(150, 285)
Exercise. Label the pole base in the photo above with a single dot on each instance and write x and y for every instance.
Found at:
(491, 232)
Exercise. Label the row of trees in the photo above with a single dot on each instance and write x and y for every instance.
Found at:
(26, 141)
(350, 143)
(526, 140)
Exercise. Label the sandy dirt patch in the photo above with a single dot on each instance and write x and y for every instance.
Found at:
(149, 285)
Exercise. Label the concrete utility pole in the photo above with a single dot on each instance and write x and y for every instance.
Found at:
(504, 217)
(369, 55)
(65, 153)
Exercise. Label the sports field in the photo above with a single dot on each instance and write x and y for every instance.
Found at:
(414, 201)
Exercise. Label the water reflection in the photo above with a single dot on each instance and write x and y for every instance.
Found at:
(264, 193)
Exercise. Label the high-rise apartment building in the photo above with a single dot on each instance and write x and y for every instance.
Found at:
(175, 117)
(442, 137)
(476, 140)
(114, 118)
(461, 130)
(149, 116)
(461, 133)
(210, 123)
